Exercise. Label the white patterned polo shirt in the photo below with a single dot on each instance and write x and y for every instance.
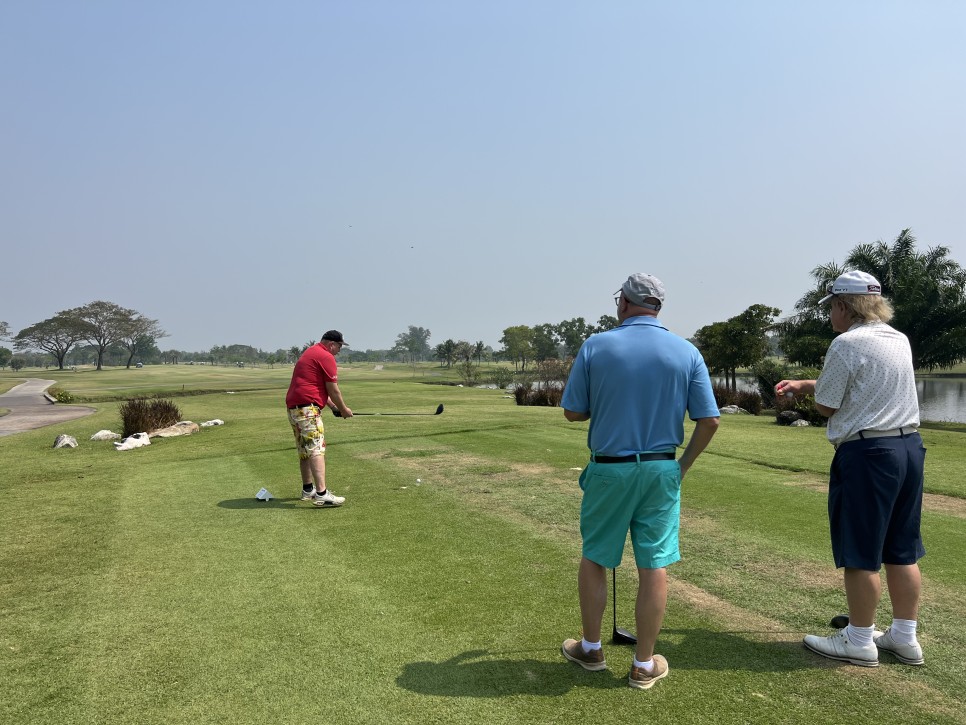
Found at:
(869, 379)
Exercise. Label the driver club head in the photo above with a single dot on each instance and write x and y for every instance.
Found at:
(439, 409)
(622, 636)
(839, 621)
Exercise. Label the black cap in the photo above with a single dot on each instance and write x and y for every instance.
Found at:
(335, 336)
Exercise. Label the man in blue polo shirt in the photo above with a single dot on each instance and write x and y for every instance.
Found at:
(634, 384)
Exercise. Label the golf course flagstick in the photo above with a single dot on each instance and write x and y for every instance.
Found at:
(621, 636)
(439, 410)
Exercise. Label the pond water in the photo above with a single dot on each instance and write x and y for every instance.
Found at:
(940, 399)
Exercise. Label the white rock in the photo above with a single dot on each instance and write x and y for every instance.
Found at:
(734, 410)
(65, 441)
(135, 440)
(181, 428)
(105, 435)
(801, 423)
(209, 423)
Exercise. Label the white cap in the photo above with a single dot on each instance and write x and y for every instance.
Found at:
(853, 283)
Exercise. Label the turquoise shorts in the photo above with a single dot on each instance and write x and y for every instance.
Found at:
(643, 498)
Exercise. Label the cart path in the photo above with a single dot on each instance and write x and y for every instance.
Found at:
(29, 409)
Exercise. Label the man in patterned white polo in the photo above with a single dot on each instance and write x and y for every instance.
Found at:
(867, 390)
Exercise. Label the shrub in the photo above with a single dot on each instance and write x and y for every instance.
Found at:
(521, 392)
(749, 400)
(546, 385)
(530, 393)
(804, 406)
(61, 395)
(501, 377)
(767, 374)
(468, 372)
(141, 415)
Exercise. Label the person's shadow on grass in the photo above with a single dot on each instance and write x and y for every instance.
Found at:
(248, 503)
(481, 673)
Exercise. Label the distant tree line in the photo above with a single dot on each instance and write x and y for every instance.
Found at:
(523, 344)
(927, 291)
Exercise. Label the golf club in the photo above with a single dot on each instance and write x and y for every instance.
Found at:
(621, 636)
(439, 410)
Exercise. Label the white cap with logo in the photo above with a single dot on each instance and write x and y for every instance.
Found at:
(853, 283)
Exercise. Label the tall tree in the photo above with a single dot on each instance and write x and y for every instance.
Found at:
(606, 322)
(464, 351)
(140, 335)
(4, 330)
(518, 345)
(446, 352)
(478, 349)
(104, 324)
(740, 341)
(927, 292)
(55, 335)
(572, 334)
(545, 342)
(415, 341)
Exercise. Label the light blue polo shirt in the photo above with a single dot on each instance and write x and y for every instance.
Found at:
(637, 381)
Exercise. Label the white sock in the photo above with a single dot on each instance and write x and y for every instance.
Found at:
(860, 636)
(646, 666)
(904, 631)
(589, 646)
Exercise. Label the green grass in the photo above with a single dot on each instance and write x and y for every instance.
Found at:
(149, 586)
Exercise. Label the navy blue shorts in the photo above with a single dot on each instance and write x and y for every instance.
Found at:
(875, 502)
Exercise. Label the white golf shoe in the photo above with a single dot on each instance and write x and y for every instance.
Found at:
(327, 500)
(838, 647)
(907, 654)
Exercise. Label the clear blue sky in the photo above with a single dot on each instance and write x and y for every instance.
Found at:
(257, 173)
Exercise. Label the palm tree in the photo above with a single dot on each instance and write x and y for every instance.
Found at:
(927, 292)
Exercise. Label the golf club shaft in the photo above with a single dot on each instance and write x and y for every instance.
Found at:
(439, 410)
(620, 636)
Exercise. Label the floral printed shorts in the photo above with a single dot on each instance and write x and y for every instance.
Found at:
(308, 429)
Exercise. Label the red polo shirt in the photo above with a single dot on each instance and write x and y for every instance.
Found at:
(314, 369)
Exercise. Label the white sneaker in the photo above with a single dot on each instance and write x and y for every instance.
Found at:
(907, 654)
(327, 499)
(838, 647)
(308, 495)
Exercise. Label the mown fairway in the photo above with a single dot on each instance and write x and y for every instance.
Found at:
(149, 586)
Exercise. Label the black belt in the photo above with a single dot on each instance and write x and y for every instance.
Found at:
(304, 405)
(633, 458)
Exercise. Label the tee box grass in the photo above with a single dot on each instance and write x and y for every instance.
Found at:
(149, 586)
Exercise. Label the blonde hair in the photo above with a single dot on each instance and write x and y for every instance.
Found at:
(867, 308)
